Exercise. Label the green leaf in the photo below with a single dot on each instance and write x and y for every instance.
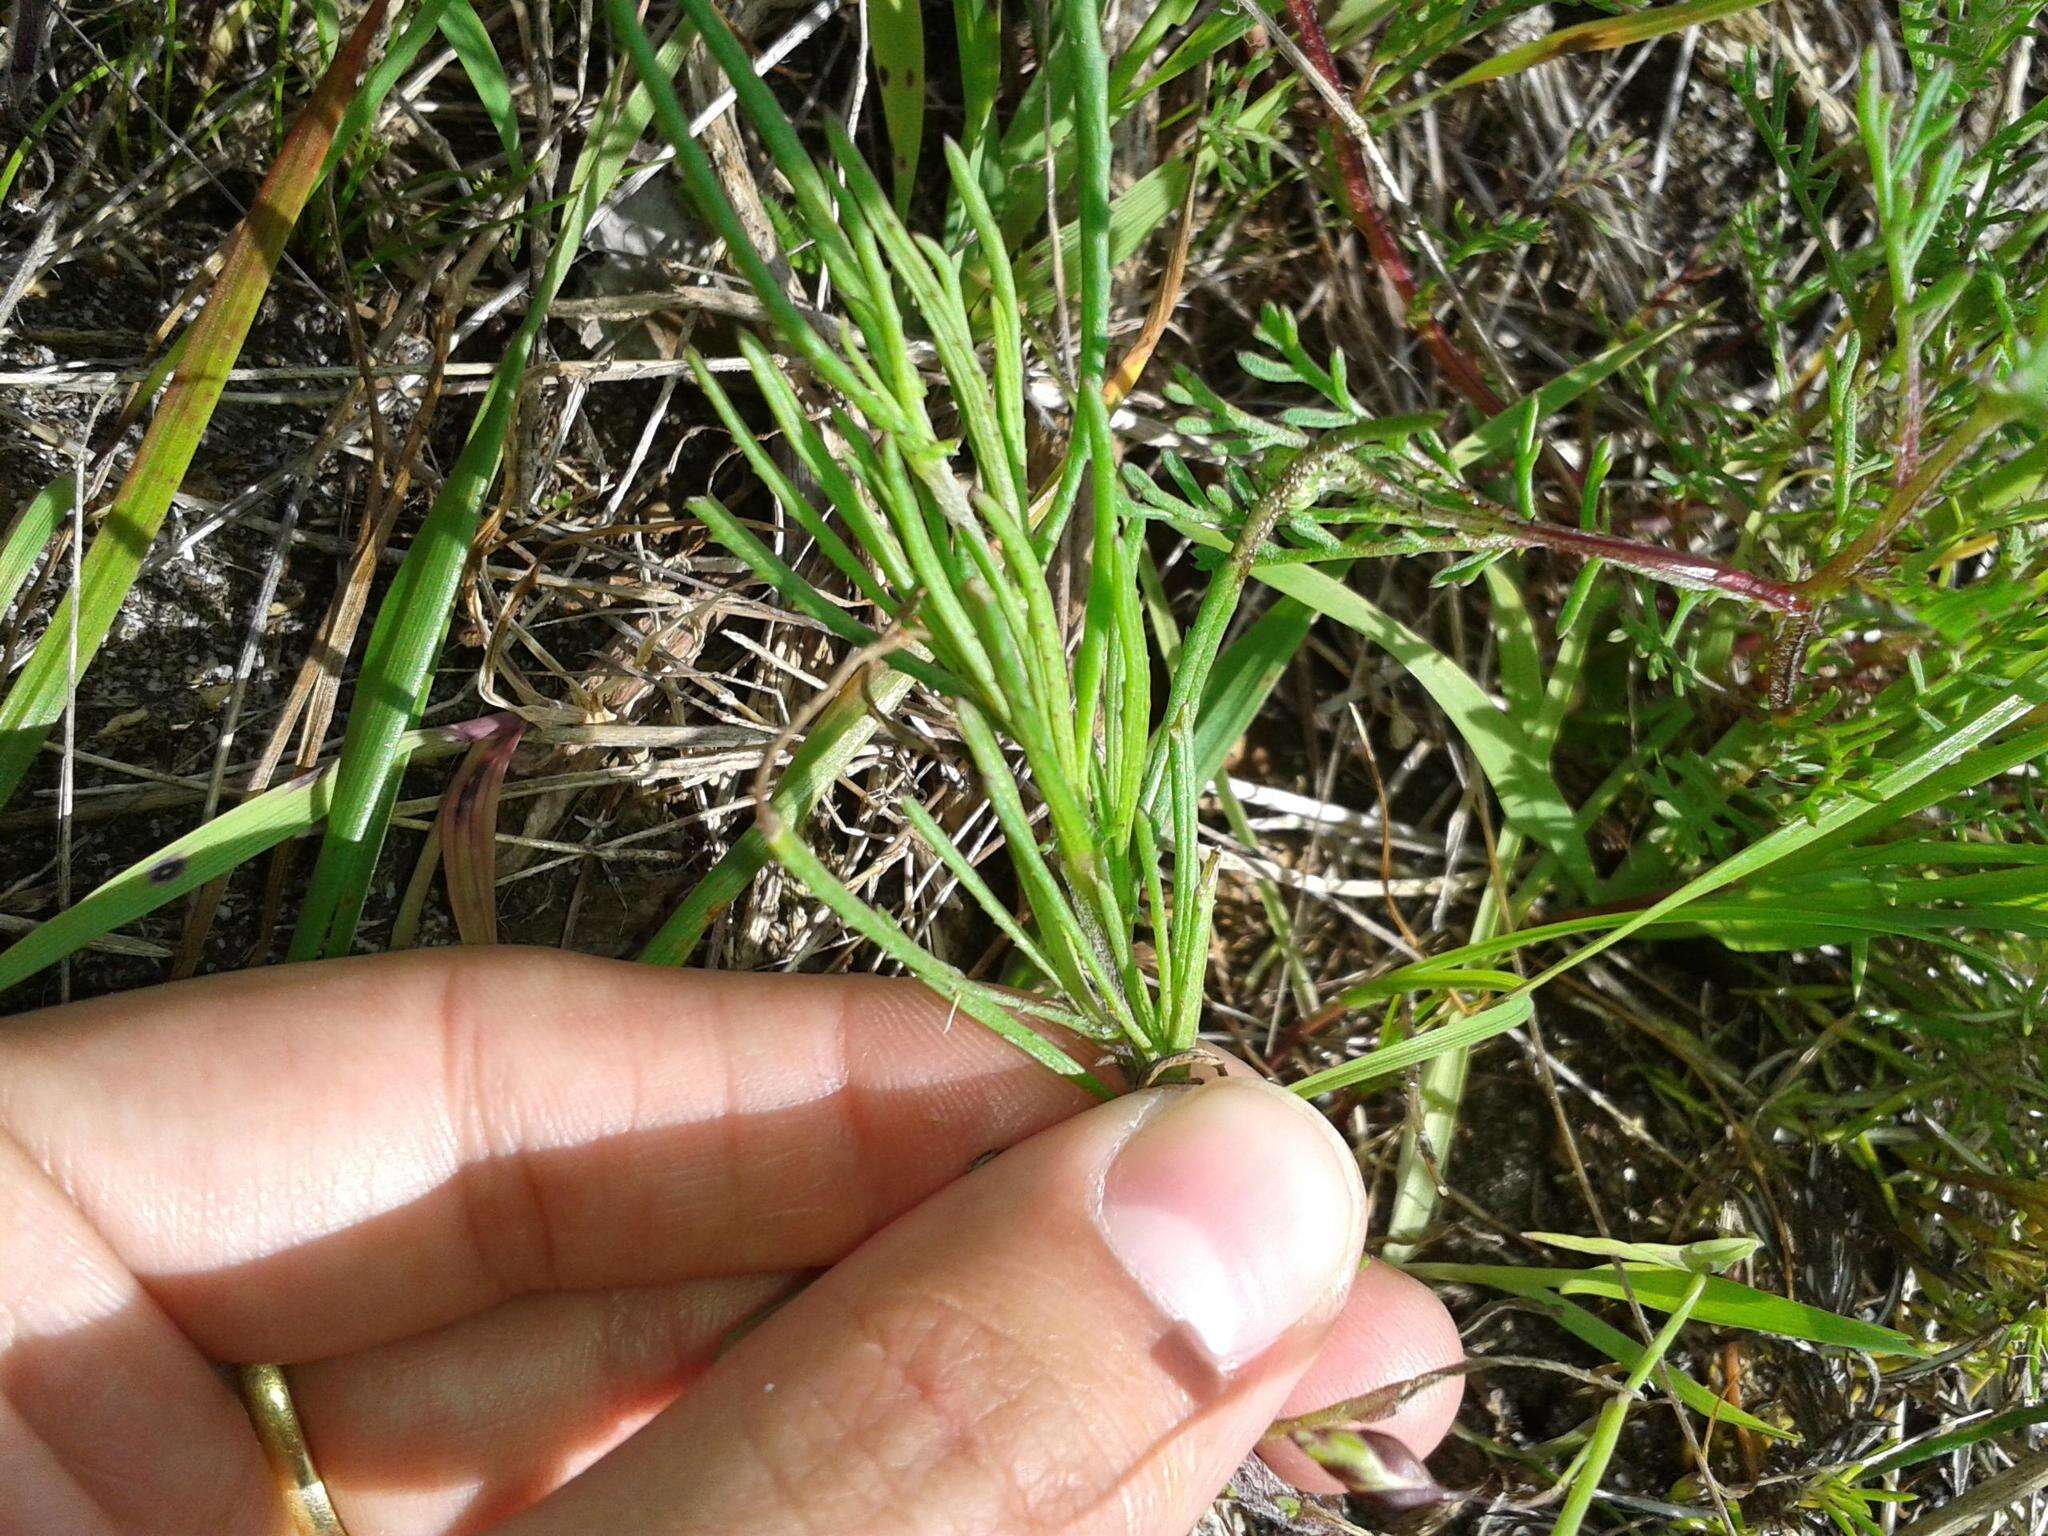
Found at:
(1624, 1350)
(203, 854)
(896, 38)
(384, 76)
(1460, 1035)
(1707, 1256)
(1509, 759)
(405, 641)
(30, 534)
(1725, 1303)
(2022, 391)
(36, 701)
(1496, 435)
(979, 27)
(834, 741)
(1599, 36)
(1242, 679)
(465, 33)
(1819, 822)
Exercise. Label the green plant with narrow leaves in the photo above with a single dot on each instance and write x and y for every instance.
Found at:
(1763, 669)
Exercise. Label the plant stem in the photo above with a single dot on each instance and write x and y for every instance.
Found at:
(1593, 1462)
(1853, 557)
(1458, 367)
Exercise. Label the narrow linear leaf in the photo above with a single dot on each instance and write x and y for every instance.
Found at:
(1496, 435)
(896, 38)
(465, 32)
(228, 841)
(36, 700)
(1991, 1427)
(1241, 681)
(1459, 1035)
(1947, 751)
(30, 534)
(841, 732)
(384, 76)
(468, 829)
(1511, 762)
(1725, 1303)
(978, 24)
(1709, 1255)
(1624, 1350)
(1599, 36)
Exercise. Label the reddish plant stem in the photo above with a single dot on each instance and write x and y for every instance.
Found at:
(1462, 373)
(1457, 366)
(1672, 566)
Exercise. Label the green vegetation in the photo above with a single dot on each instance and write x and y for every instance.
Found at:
(1491, 562)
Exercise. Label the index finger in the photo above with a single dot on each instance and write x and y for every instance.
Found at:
(306, 1160)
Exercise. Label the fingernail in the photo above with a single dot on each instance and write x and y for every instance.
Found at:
(1237, 1210)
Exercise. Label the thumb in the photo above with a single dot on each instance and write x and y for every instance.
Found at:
(1085, 1336)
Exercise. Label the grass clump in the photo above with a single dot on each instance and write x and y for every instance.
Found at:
(1490, 561)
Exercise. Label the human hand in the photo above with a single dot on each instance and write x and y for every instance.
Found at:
(500, 1210)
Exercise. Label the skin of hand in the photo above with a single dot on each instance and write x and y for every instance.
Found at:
(555, 1245)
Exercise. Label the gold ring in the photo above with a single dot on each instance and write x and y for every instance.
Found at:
(269, 1402)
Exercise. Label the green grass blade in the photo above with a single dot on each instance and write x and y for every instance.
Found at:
(1496, 435)
(896, 38)
(464, 30)
(203, 854)
(1623, 1350)
(30, 534)
(384, 76)
(978, 25)
(839, 735)
(1725, 1303)
(1242, 679)
(1599, 36)
(1598, 1453)
(983, 1004)
(405, 642)
(1511, 762)
(223, 844)
(28, 140)
(1947, 751)
(1459, 1035)
(963, 870)
(36, 700)
(1991, 1427)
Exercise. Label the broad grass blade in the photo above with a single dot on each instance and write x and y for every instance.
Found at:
(405, 642)
(896, 37)
(205, 853)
